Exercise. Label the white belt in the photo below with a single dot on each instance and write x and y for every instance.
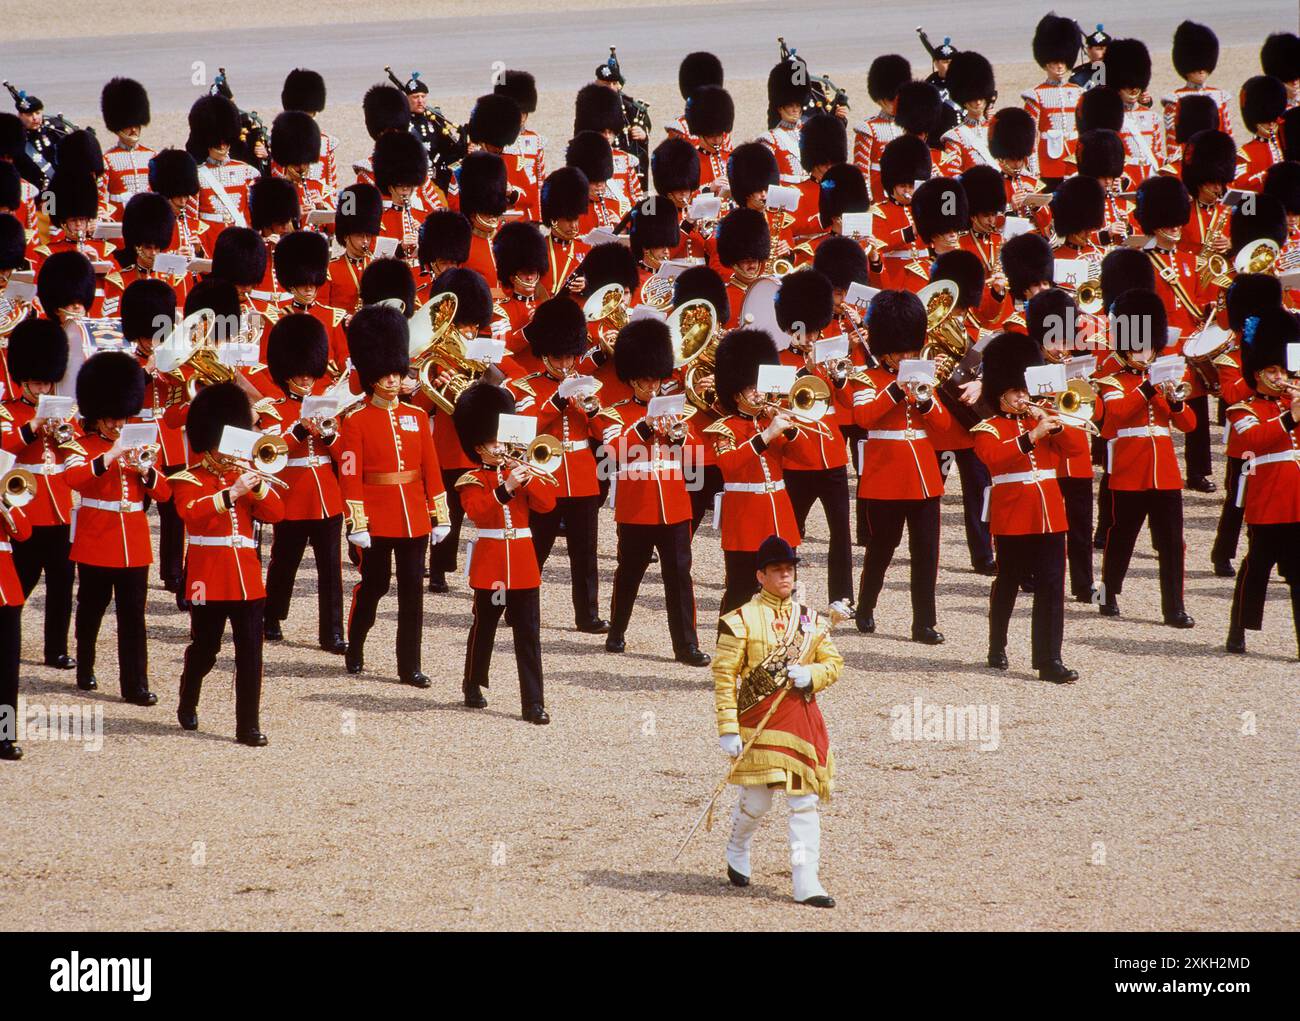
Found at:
(1037, 475)
(505, 533)
(573, 446)
(6, 548)
(1143, 430)
(895, 434)
(1280, 456)
(651, 466)
(754, 487)
(911, 253)
(43, 468)
(791, 178)
(117, 506)
(315, 461)
(239, 541)
(276, 296)
(216, 218)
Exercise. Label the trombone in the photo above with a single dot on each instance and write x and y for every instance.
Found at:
(540, 458)
(269, 456)
(807, 403)
(1074, 405)
(17, 488)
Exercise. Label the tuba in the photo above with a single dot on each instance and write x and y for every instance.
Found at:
(695, 336)
(607, 308)
(437, 346)
(1257, 257)
(945, 329)
(1088, 297)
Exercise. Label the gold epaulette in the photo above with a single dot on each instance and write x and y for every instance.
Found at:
(612, 413)
(720, 428)
(875, 210)
(184, 475)
(1243, 406)
(271, 313)
(1017, 319)
(469, 479)
(266, 406)
(5, 416)
(1226, 360)
(113, 277)
(523, 384)
(339, 315)
(986, 426)
(349, 412)
(1109, 381)
(74, 447)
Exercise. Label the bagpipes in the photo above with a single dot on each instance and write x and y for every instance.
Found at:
(826, 96)
(58, 124)
(635, 114)
(252, 130)
(447, 142)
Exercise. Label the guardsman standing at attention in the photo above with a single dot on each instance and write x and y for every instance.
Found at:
(304, 91)
(1195, 56)
(223, 181)
(1052, 104)
(125, 106)
(887, 74)
(1128, 68)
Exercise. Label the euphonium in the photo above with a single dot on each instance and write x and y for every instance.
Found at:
(607, 307)
(693, 327)
(946, 338)
(1257, 257)
(440, 348)
(17, 487)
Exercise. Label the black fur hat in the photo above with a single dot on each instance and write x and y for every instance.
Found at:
(1012, 134)
(1263, 100)
(675, 166)
(1282, 181)
(887, 74)
(110, 384)
(939, 206)
(1047, 313)
(1122, 268)
(1279, 57)
(557, 328)
(969, 78)
(11, 186)
(590, 152)
(1127, 64)
(906, 160)
(239, 256)
(805, 301)
(483, 185)
(1275, 328)
(303, 90)
(360, 210)
(566, 195)
(610, 263)
(385, 109)
(445, 236)
(1266, 220)
(710, 111)
(38, 350)
(1100, 153)
(214, 122)
(519, 86)
(1078, 204)
(918, 107)
(743, 234)
(473, 296)
(76, 196)
(736, 363)
(1196, 48)
(124, 104)
(477, 413)
(148, 309)
(401, 161)
(985, 190)
(703, 282)
(787, 83)
(495, 120)
(385, 279)
(1162, 201)
(1145, 319)
(13, 243)
(842, 189)
(598, 108)
(295, 139)
(13, 136)
(1027, 260)
(1056, 39)
(215, 295)
(297, 346)
(945, 122)
(214, 408)
(1100, 107)
(271, 202)
(965, 270)
(1290, 134)
(751, 169)
(80, 151)
(823, 140)
(697, 69)
(842, 260)
(378, 342)
(1195, 113)
(173, 173)
(1248, 294)
(1006, 357)
(517, 248)
(896, 323)
(65, 278)
(643, 350)
(1209, 157)
(147, 219)
(302, 259)
(654, 225)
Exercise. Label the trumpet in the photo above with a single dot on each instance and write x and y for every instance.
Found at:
(539, 458)
(60, 430)
(919, 390)
(141, 458)
(328, 427)
(17, 487)
(588, 402)
(1178, 391)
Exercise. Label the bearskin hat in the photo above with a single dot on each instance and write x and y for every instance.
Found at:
(985, 191)
(1279, 57)
(1290, 132)
(1265, 340)
(566, 194)
(239, 256)
(38, 349)
(918, 107)
(842, 189)
(675, 166)
(598, 108)
(896, 323)
(654, 225)
(272, 201)
(297, 346)
(1161, 201)
(743, 234)
(558, 328)
(805, 302)
(1006, 357)
(483, 185)
(945, 122)
(400, 160)
(476, 414)
(148, 219)
(214, 122)
(124, 104)
(703, 282)
(1027, 260)
(76, 196)
(80, 151)
(842, 260)
(590, 152)
(1248, 294)
(386, 279)
(965, 270)
(1127, 64)
(215, 295)
(1100, 153)
(214, 408)
(173, 173)
(969, 78)
(1266, 220)
(939, 207)
(698, 69)
(1056, 39)
(1046, 314)
(303, 90)
(610, 263)
(445, 236)
(1012, 134)
(378, 342)
(11, 186)
(65, 278)
(1195, 113)
(360, 210)
(710, 111)
(787, 83)
(823, 141)
(110, 384)
(643, 350)
(1122, 268)
(519, 86)
(295, 139)
(1263, 100)
(1078, 205)
(473, 296)
(1196, 48)
(1282, 181)
(1100, 107)
(385, 109)
(302, 259)
(1209, 157)
(736, 363)
(148, 309)
(906, 160)
(495, 120)
(13, 136)
(13, 243)
(887, 74)
(1145, 320)
(751, 169)
(517, 248)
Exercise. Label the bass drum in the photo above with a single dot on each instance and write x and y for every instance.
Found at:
(85, 338)
(758, 310)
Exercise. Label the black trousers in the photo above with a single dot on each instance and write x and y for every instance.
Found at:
(207, 628)
(580, 517)
(1267, 546)
(525, 609)
(1041, 557)
(635, 544)
(884, 520)
(128, 587)
(974, 480)
(1228, 534)
(376, 576)
(442, 555)
(1162, 510)
(171, 540)
(1104, 509)
(831, 488)
(287, 547)
(11, 644)
(703, 492)
(1196, 452)
(47, 551)
(739, 582)
(1077, 494)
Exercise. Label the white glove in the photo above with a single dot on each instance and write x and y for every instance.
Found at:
(801, 675)
(440, 532)
(730, 744)
(361, 540)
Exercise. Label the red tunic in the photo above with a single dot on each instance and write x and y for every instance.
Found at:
(343, 287)
(313, 492)
(14, 527)
(111, 529)
(52, 504)
(127, 172)
(1272, 437)
(234, 179)
(537, 395)
(1137, 427)
(649, 482)
(814, 450)
(869, 140)
(503, 552)
(1052, 106)
(898, 461)
(1024, 498)
(754, 501)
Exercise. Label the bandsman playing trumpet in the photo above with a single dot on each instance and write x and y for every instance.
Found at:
(1078, 209)
(751, 170)
(14, 527)
(903, 162)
